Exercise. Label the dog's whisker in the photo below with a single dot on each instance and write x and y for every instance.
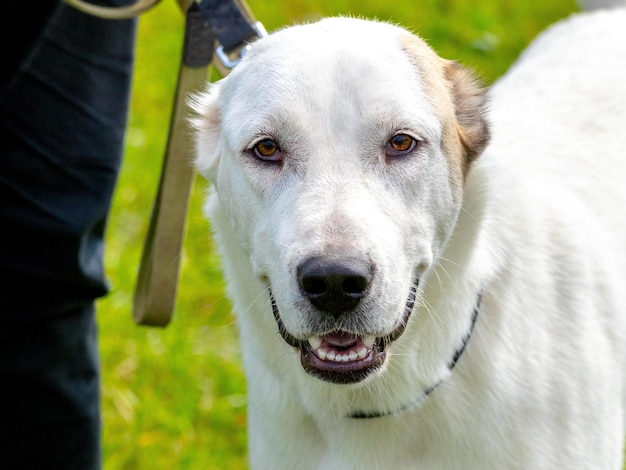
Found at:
(449, 261)
(440, 283)
(279, 242)
(433, 316)
(265, 291)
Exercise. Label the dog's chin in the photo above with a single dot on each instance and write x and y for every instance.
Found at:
(343, 357)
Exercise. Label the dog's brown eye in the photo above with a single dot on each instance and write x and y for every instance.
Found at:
(399, 145)
(267, 150)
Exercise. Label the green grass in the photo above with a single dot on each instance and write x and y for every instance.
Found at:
(174, 398)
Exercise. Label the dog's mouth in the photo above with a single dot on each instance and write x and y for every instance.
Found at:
(344, 357)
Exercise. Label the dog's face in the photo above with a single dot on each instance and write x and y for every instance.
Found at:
(338, 152)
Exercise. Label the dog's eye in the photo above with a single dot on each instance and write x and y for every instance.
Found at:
(267, 150)
(399, 145)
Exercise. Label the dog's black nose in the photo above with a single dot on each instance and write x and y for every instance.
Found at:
(334, 286)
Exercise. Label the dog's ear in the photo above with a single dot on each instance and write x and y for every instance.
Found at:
(206, 124)
(457, 97)
(469, 101)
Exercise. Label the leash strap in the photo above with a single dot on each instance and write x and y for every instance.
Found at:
(157, 282)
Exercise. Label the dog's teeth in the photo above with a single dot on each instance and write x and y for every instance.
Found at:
(368, 341)
(326, 355)
(315, 341)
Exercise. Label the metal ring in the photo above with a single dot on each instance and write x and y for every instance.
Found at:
(113, 13)
(232, 63)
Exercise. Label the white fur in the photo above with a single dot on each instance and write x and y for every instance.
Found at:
(537, 226)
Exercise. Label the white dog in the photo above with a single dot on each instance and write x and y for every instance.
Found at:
(411, 294)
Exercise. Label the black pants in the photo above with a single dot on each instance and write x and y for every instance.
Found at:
(63, 110)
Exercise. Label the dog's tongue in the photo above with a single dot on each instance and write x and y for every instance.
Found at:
(341, 339)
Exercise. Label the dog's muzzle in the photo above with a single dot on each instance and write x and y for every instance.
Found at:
(340, 356)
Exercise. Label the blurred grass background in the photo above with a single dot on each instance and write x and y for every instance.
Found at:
(174, 398)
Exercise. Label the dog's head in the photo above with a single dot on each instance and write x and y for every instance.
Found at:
(338, 151)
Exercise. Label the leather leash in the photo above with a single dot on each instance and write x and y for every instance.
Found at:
(224, 27)
(217, 32)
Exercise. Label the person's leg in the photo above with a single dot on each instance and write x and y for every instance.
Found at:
(62, 121)
(21, 26)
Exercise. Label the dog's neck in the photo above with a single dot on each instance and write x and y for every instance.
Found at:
(426, 392)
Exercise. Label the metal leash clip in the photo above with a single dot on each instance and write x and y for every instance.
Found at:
(234, 26)
(225, 59)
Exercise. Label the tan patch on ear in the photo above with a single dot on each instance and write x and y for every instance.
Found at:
(458, 100)
(469, 102)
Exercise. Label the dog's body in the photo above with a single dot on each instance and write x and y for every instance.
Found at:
(349, 200)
